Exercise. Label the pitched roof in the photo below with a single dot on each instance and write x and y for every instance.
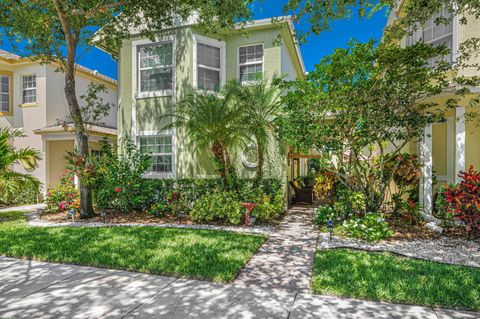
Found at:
(69, 128)
(9, 55)
(13, 58)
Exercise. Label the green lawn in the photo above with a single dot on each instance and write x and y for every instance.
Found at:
(385, 277)
(12, 215)
(200, 254)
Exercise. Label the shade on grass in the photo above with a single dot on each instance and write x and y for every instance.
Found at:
(12, 215)
(193, 253)
(385, 277)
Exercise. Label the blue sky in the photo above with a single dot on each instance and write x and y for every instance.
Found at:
(313, 50)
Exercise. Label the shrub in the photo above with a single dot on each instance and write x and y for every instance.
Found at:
(160, 209)
(323, 214)
(219, 207)
(440, 209)
(349, 202)
(118, 181)
(324, 184)
(464, 201)
(371, 227)
(64, 196)
(270, 207)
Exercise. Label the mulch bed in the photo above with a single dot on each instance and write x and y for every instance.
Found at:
(118, 218)
(402, 230)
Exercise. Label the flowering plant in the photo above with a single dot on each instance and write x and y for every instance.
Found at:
(463, 201)
(371, 227)
(63, 196)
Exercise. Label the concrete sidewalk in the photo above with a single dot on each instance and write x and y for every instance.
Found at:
(30, 289)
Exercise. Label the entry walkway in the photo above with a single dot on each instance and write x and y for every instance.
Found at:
(285, 260)
(25, 208)
(31, 290)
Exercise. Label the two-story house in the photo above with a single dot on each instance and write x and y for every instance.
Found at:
(155, 74)
(32, 99)
(451, 147)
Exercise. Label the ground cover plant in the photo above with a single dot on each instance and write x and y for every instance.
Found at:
(385, 277)
(192, 253)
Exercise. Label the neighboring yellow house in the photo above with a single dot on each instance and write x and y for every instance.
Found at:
(447, 148)
(32, 99)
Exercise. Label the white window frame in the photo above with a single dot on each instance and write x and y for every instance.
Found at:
(136, 45)
(9, 94)
(223, 58)
(161, 133)
(239, 65)
(29, 89)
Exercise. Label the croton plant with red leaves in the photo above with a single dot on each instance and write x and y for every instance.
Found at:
(464, 201)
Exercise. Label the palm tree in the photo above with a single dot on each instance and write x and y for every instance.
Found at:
(12, 182)
(261, 105)
(212, 121)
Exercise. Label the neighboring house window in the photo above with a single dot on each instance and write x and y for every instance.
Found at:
(156, 67)
(160, 149)
(4, 93)
(441, 34)
(208, 67)
(29, 89)
(250, 59)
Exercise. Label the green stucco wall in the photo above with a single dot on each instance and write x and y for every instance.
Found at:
(149, 110)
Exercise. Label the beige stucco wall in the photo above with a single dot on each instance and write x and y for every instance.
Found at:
(51, 106)
(55, 151)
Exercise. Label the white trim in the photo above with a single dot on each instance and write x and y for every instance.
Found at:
(426, 182)
(23, 89)
(135, 77)
(459, 142)
(223, 57)
(173, 134)
(250, 63)
(455, 37)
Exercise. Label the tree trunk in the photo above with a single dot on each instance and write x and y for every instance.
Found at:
(218, 152)
(72, 36)
(261, 160)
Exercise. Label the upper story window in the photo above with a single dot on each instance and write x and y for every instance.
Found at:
(250, 63)
(29, 89)
(155, 67)
(208, 66)
(4, 93)
(435, 34)
(160, 148)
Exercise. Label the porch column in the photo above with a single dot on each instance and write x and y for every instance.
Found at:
(426, 186)
(459, 142)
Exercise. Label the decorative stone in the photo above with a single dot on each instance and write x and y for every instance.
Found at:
(435, 228)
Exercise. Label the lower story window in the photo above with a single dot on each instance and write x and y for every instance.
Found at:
(160, 149)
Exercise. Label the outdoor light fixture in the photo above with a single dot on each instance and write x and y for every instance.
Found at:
(103, 213)
(252, 219)
(180, 215)
(330, 228)
(72, 213)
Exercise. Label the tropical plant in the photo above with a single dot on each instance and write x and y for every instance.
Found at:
(56, 31)
(260, 106)
(63, 196)
(117, 180)
(464, 201)
(211, 121)
(371, 227)
(12, 182)
(378, 97)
